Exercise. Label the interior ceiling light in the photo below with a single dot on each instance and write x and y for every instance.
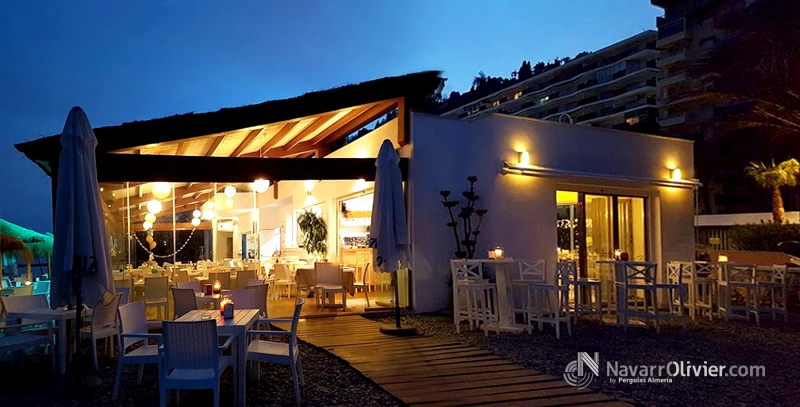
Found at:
(197, 213)
(208, 214)
(260, 185)
(150, 217)
(154, 206)
(230, 191)
(161, 190)
(195, 221)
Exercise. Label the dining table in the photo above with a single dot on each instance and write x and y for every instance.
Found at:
(60, 316)
(505, 298)
(203, 298)
(243, 319)
(306, 277)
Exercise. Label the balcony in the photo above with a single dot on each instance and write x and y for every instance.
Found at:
(672, 79)
(671, 33)
(672, 58)
(673, 120)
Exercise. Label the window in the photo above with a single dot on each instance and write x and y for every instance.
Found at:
(632, 120)
(517, 95)
(496, 103)
(544, 99)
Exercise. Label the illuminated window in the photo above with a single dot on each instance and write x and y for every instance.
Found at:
(632, 120)
(544, 99)
(496, 103)
(517, 95)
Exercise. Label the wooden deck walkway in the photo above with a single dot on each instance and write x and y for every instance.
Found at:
(429, 372)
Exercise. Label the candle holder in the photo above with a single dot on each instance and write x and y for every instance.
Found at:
(226, 307)
(217, 287)
(497, 253)
(209, 289)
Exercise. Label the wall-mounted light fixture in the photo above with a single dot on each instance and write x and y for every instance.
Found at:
(524, 158)
(675, 174)
(260, 185)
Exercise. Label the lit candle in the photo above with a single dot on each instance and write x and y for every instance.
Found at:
(498, 252)
(722, 258)
(617, 254)
(217, 287)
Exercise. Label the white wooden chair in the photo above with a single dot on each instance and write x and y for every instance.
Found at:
(674, 291)
(544, 302)
(773, 293)
(184, 300)
(587, 292)
(329, 278)
(737, 292)
(15, 337)
(700, 281)
(103, 325)
(636, 293)
(284, 353)
(474, 297)
(364, 283)
(156, 294)
(134, 331)
(191, 357)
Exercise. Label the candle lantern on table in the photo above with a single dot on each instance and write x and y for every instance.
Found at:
(217, 287)
(226, 307)
(497, 253)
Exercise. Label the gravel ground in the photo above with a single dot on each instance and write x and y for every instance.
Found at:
(773, 345)
(27, 381)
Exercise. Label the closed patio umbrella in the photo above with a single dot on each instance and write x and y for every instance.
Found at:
(388, 227)
(81, 261)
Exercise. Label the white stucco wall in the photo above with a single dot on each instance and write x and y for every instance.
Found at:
(522, 209)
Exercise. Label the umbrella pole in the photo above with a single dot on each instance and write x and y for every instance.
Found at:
(397, 329)
(82, 381)
(396, 300)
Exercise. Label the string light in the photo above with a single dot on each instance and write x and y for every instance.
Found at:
(164, 256)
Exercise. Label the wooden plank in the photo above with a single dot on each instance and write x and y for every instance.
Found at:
(587, 399)
(443, 381)
(546, 397)
(496, 391)
(251, 136)
(215, 145)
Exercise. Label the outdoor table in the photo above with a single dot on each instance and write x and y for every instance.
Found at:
(305, 277)
(202, 298)
(243, 319)
(46, 314)
(505, 299)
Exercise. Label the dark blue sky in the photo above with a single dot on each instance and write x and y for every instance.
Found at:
(124, 61)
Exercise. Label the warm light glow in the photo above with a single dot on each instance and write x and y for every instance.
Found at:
(310, 185)
(147, 225)
(499, 253)
(524, 158)
(197, 213)
(617, 254)
(152, 145)
(161, 190)
(217, 287)
(675, 174)
(154, 206)
(195, 222)
(208, 214)
(28, 282)
(310, 200)
(101, 189)
(209, 204)
(228, 203)
(722, 258)
(230, 191)
(260, 185)
(150, 217)
(361, 184)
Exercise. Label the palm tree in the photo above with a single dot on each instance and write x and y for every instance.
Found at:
(774, 177)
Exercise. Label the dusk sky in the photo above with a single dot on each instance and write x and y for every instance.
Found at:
(124, 61)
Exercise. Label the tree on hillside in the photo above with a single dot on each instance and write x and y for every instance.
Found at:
(525, 71)
(773, 177)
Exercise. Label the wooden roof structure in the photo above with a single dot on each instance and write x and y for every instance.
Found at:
(273, 140)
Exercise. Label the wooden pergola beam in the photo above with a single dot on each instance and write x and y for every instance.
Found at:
(215, 145)
(251, 136)
(314, 126)
(277, 137)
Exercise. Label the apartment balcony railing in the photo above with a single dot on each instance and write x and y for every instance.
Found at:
(672, 58)
(672, 79)
(671, 32)
(672, 120)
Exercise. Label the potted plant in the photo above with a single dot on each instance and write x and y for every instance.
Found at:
(315, 234)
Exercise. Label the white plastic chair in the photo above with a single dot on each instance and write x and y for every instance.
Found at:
(156, 294)
(474, 297)
(184, 299)
(224, 278)
(283, 278)
(180, 275)
(125, 293)
(545, 302)
(260, 293)
(24, 303)
(15, 337)
(329, 278)
(194, 285)
(364, 283)
(242, 277)
(191, 357)
(133, 327)
(242, 299)
(284, 353)
(104, 325)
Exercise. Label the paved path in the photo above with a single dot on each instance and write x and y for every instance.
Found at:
(429, 372)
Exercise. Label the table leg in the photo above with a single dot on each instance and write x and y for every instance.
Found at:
(505, 312)
(241, 362)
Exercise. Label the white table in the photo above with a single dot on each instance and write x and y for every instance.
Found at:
(60, 315)
(505, 299)
(202, 298)
(237, 326)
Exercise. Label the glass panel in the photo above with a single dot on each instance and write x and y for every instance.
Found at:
(599, 231)
(569, 239)
(631, 227)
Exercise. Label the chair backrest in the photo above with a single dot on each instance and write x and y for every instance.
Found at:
(742, 273)
(6, 283)
(224, 278)
(778, 274)
(190, 345)
(242, 277)
(328, 273)
(132, 321)
(260, 295)
(678, 270)
(282, 271)
(156, 287)
(125, 293)
(25, 290)
(366, 273)
(242, 299)
(532, 270)
(463, 269)
(105, 313)
(566, 271)
(185, 301)
(636, 272)
(41, 287)
(705, 268)
(254, 281)
(24, 303)
(180, 275)
(194, 285)
(298, 306)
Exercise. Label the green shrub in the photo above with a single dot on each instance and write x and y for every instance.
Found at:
(762, 236)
